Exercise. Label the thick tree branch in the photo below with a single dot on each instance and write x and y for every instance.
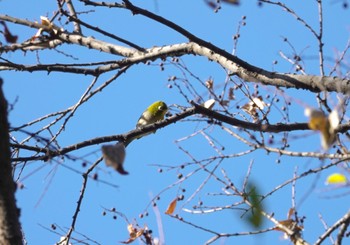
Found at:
(247, 71)
(200, 47)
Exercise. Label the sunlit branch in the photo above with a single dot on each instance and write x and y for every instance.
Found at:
(237, 66)
(74, 38)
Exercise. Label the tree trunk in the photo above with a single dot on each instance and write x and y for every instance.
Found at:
(10, 229)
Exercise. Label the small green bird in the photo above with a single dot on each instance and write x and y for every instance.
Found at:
(154, 113)
(114, 155)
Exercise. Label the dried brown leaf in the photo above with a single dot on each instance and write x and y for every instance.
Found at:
(134, 233)
(114, 156)
(171, 208)
(290, 224)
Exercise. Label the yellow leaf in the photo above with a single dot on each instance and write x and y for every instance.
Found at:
(336, 178)
(171, 208)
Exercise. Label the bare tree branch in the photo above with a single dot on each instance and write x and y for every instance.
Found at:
(342, 221)
(237, 66)
(226, 112)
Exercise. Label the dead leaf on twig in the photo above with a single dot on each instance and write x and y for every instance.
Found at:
(171, 208)
(134, 233)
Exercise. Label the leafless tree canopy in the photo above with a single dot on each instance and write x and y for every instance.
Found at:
(257, 116)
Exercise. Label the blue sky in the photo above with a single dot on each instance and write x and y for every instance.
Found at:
(50, 193)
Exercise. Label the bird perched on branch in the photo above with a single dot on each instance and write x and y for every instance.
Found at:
(154, 113)
(114, 155)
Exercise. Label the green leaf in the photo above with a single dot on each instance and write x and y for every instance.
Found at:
(254, 217)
